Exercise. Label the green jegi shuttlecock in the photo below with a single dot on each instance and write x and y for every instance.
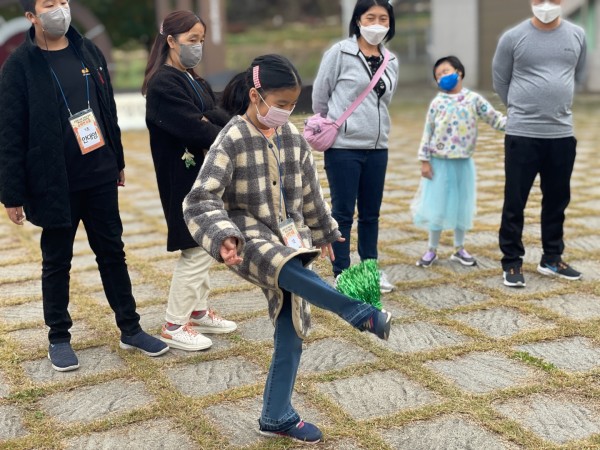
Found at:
(361, 282)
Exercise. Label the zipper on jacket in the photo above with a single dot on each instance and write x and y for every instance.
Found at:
(379, 121)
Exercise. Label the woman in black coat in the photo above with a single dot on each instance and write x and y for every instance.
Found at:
(183, 121)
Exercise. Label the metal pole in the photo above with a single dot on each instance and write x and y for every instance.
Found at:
(347, 9)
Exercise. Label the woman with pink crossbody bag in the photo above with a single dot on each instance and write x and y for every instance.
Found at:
(357, 116)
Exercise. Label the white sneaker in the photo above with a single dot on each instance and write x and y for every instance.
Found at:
(384, 284)
(185, 338)
(211, 323)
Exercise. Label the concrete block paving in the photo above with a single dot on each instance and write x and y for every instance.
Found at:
(470, 363)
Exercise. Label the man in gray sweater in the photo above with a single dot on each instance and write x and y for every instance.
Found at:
(535, 68)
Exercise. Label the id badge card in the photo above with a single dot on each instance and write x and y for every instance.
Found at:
(87, 132)
(290, 234)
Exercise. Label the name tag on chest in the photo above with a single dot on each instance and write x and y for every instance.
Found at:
(87, 132)
(290, 234)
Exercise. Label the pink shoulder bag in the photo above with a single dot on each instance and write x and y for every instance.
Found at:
(320, 132)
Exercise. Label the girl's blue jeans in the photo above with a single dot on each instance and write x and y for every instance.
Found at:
(356, 181)
(278, 413)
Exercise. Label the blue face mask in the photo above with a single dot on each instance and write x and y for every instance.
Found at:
(448, 82)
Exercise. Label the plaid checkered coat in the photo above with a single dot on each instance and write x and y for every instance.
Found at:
(237, 194)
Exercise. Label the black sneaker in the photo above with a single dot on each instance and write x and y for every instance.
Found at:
(148, 345)
(62, 357)
(558, 269)
(379, 323)
(513, 277)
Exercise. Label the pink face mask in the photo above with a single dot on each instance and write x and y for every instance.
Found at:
(275, 117)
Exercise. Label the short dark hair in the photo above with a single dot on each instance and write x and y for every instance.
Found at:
(361, 7)
(28, 5)
(453, 61)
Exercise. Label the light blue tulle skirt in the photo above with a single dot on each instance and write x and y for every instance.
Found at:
(448, 201)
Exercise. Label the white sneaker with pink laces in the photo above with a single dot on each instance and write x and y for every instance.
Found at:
(185, 338)
(210, 322)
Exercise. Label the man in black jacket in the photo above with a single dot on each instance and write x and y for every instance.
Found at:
(61, 159)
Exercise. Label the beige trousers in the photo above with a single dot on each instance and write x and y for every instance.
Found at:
(190, 285)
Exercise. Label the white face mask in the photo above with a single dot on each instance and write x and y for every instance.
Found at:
(546, 12)
(374, 34)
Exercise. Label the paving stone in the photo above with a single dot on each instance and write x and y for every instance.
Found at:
(573, 306)
(155, 434)
(481, 239)
(591, 222)
(226, 278)
(239, 302)
(419, 336)
(238, 420)
(143, 293)
(92, 361)
(25, 312)
(398, 311)
(558, 420)
(483, 263)
(481, 373)
(24, 271)
(400, 217)
(392, 389)
(409, 273)
(94, 402)
(4, 386)
(260, 329)
(499, 322)
(447, 433)
(11, 424)
(490, 218)
(211, 377)
(577, 354)
(153, 252)
(84, 262)
(152, 317)
(22, 289)
(333, 354)
(445, 296)
(36, 338)
(91, 278)
(587, 243)
(344, 444)
(393, 234)
(143, 238)
(416, 249)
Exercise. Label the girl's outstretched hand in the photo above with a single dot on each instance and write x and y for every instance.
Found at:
(327, 250)
(426, 170)
(229, 252)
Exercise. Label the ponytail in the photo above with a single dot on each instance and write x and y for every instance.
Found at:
(274, 72)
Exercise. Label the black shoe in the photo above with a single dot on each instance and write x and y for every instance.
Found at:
(148, 345)
(513, 277)
(379, 323)
(62, 357)
(558, 269)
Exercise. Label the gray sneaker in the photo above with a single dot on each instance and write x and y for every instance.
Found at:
(384, 284)
(463, 257)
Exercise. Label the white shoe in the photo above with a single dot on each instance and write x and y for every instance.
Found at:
(211, 323)
(384, 284)
(185, 338)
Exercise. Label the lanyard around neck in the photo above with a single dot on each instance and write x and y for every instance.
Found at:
(194, 83)
(278, 159)
(87, 86)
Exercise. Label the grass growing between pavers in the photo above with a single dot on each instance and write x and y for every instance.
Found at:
(188, 414)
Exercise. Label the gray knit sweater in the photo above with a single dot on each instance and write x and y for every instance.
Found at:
(343, 75)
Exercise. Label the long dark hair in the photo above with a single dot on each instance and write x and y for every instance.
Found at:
(176, 23)
(361, 7)
(274, 72)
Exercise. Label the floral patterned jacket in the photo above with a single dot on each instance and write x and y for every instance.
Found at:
(451, 125)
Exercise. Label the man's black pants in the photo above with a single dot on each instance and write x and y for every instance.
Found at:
(98, 209)
(525, 157)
